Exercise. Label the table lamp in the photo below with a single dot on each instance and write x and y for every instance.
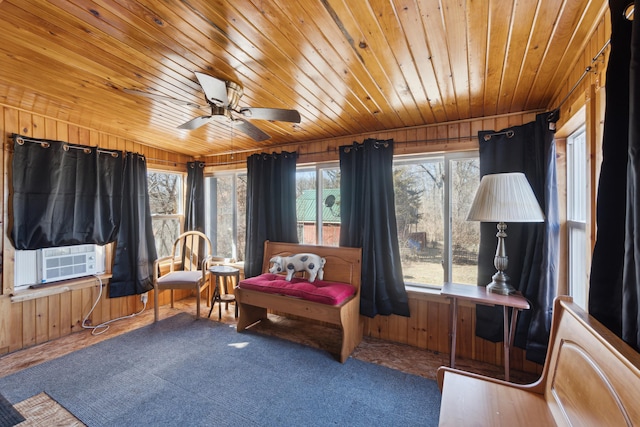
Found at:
(501, 198)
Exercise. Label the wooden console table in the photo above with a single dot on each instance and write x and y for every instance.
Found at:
(479, 295)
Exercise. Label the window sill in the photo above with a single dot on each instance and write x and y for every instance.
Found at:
(59, 287)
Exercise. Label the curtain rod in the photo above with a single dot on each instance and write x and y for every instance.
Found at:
(584, 74)
(416, 141)
(508, 133)
(45, 144)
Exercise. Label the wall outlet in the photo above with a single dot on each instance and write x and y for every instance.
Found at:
(144, 297)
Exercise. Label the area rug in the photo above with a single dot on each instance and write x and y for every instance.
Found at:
(183, 371)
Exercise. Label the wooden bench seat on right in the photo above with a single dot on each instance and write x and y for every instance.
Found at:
(590, 378)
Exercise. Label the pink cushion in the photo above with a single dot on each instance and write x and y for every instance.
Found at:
(331, 293)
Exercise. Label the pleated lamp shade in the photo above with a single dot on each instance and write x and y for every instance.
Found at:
(505, 197)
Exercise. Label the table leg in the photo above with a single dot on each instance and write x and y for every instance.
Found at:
(512, 329)
(216, 292)
(507, 335)
(454, 327)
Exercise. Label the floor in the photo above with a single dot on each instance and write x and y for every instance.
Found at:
(397, 356)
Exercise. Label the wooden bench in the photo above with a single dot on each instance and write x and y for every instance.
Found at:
(590, 378)
(342, 265)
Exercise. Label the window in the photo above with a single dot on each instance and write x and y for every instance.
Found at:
(577, 216)
(226, 198)
(318, 196)
(433, 195)
(166, 203)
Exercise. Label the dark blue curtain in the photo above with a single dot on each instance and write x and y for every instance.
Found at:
(368, 221)
(271, 205)
(614, 291)
(532, 247)
(135, 248)
(194, 200)
(64, 194)
(631, 277)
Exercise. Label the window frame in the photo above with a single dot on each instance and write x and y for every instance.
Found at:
(318, 169)
(235, 244)
(180, 203)
(577, 224)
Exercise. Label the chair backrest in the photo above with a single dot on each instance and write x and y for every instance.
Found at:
(191, 250)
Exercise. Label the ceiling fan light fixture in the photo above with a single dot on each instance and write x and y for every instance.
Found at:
(234, 93)
(221, 114)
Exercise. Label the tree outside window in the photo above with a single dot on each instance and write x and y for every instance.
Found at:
(166, 204)
(225, 207)
(433, 195)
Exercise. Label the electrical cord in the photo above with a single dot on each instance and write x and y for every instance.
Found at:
(104, 327)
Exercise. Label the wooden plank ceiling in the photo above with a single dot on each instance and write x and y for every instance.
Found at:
(348, 66)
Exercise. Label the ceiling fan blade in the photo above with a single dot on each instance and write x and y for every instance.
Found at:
(215, 90)
(251, 130)
(195, 123)
(274, 114)
(161, 98)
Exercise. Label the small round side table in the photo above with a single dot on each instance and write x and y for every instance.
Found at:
(221, 275)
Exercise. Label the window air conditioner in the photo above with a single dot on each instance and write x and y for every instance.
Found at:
(55, 264)
(67, 262)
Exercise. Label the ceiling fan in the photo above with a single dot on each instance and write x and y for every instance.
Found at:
(223, 98)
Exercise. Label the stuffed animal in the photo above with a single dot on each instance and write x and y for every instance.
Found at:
(311, 263)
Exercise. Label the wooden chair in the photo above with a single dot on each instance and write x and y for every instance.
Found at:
(188, 267)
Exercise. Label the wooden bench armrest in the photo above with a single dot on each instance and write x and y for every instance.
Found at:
(533, 387)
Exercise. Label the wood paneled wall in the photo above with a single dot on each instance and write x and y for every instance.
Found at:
(42, 317)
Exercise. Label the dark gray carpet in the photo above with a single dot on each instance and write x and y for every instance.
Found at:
(9, 416)
(181, 372)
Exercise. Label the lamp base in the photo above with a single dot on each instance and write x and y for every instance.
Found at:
(500, 285)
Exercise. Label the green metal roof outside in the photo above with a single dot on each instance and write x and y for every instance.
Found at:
(306, 206)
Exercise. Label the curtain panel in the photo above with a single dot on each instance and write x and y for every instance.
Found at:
(614, 291)
(271, 205)
(194, 202)
(64, 194)
(368, 221)
(136, 248)
(532, 247)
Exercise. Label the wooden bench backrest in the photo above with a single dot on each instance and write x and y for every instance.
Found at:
(591, 377)
(343, 264)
